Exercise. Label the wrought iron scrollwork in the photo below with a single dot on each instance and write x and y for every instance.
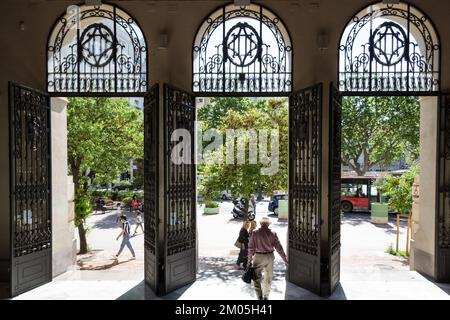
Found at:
(305, 170)
(179, 113)
(97, 45)
(30, 171)
(100, 49)
(151, 165)
(389, 48)
(242, 50)
(335, 169)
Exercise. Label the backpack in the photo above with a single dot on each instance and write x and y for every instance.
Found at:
(126, 227)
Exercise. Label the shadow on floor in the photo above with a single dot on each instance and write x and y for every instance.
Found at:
(142, 291)
(444, 287)
(217, 268)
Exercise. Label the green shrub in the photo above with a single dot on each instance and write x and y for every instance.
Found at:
(127, 201)
(123, 183)
(211, 204)
(115, 196)
(399, 253)
(97, 194)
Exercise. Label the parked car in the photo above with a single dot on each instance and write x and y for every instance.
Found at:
(273, 204)
(225, 195)
(121, 187)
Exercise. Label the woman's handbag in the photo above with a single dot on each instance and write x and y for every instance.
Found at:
(238, 244)
(249, 274)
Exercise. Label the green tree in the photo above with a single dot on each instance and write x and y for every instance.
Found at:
(213, 113)
(399, 189)
(245, 179)
(103, 134)
(380, 129)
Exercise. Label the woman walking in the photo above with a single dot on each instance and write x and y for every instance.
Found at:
(252, 228)
(243, 239)
(125, 234)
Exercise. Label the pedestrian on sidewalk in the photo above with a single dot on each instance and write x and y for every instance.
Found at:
(243, 240)
(260, 253)
(125, 234)
(135, 203)
(139, 222)
(253, 202)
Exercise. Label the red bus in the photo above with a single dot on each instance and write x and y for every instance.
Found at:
(357, 193)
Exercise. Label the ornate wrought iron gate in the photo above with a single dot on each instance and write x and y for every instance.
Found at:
(180, 189)
(334, 192)
(305, 140)
(30, 173)
(443, 218)
(151, 170)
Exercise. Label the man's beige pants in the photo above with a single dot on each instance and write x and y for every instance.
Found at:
(263, 262)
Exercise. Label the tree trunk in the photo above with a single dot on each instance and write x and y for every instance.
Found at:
(83, 240)
(79, 188)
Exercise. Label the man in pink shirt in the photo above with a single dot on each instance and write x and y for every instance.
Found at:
(260, 249)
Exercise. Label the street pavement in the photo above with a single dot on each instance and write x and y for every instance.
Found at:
(367, 271)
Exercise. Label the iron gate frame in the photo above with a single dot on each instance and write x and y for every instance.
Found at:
(151, 217)
(334, 163)
(317, 257)
(177, 256)
(12, 189)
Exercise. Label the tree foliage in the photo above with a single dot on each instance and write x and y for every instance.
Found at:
(245, 179)
(103, 134)
(213, 113)
(399, 189)
(380, 129)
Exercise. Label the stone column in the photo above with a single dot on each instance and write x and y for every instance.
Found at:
(415, 218)
(424, 212)
(62, 224)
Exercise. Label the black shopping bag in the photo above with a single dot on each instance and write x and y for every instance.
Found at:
(249, 274)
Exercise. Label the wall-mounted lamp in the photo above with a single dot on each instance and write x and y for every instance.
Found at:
(323, 40)
(163, 41)
(241, 3)
(22, 26)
